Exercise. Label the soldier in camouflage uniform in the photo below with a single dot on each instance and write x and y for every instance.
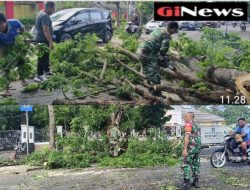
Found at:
(191, 151)
(152, 52)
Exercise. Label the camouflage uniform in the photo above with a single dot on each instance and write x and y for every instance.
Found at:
(114, 140)
(192, 162)
(149, 52)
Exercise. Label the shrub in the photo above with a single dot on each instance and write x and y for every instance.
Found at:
(150, 152)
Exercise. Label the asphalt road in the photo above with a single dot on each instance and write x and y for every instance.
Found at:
(196, 35)
(231, 177)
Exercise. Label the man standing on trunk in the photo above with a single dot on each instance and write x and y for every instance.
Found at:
(153, 53)
(43, 35)
(190, 153)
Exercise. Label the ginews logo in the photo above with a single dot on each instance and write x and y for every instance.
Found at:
(200, 11)
(181, 11)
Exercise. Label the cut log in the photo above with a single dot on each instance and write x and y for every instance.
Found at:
(243, 85)
(224, 76)
(206, 96)
(119, 49)
(154, 99)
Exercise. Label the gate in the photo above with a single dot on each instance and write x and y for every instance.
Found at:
(8, 139)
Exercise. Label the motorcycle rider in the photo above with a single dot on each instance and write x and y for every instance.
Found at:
(234, 24)
(241, 130)
(136, 22)
(243, 26)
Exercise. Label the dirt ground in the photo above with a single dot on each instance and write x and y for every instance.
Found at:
(231, 177)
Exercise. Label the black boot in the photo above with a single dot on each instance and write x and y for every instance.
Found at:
(155, 92)
(196, 183)
(186, 185)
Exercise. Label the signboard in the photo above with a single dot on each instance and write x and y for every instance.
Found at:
(213, 135)
(26, 108)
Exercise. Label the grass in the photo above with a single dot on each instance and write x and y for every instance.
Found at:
(229, 178)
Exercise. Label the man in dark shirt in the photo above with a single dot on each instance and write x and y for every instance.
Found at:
(43, 34)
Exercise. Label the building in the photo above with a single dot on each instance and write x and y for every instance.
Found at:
(203, 119)
(21, 9)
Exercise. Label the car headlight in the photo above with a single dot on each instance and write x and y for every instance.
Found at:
(58, 27)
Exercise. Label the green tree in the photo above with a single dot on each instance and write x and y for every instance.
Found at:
(39, 117)
(146, 10)
(10, 117)
(73, 4)
(230, 112)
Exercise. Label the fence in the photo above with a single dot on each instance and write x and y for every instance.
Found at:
(8, 139)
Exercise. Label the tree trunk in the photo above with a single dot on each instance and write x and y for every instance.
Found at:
(118, 13)
(214, 83)
(51, 127)
(243, 85)
(141, 17)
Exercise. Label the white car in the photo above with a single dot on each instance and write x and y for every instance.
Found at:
(152, 25)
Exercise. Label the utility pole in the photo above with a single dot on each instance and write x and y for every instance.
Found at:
(28, 136)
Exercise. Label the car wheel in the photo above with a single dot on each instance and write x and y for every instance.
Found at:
(107, 36)
(65, 36)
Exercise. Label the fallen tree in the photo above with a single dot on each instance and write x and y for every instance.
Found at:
(221, 82)
(189, 82)
(203, 72)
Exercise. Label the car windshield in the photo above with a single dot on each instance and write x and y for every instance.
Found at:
(62, 15)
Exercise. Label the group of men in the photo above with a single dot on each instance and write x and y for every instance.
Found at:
(152, 52)
(192, 147)
(11, 28)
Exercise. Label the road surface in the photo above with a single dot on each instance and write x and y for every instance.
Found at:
(231, 177)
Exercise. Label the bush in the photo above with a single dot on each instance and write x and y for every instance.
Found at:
(55, 159)
(31, 87)
(74, 152)
(79, 152)
(37, 158)
(149, 152)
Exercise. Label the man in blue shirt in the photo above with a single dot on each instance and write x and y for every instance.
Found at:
(243, 130)
(9, 29)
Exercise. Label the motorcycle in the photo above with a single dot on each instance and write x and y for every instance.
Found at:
(137, 30)
(243, 27)
(228, 154)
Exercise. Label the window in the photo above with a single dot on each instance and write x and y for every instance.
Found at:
(82, 17)
(24, 135)
(105, 15)
(96, 16)
(72, 20)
